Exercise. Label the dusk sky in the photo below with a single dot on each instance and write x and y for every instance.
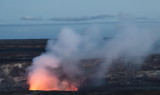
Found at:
(11, 11)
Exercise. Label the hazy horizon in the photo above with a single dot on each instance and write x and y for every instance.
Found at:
(40, 11)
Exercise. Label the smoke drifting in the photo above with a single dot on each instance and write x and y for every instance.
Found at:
(59, 67)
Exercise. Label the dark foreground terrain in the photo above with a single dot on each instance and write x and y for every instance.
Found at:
(131, 92)
(122, 79)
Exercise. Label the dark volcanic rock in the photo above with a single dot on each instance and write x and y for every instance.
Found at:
(16, 50)
(123, 92)
(23, 43)
(17, 55)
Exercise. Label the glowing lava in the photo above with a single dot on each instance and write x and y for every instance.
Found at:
(44, 81)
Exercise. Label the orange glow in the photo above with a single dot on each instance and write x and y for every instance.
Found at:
(44, 81)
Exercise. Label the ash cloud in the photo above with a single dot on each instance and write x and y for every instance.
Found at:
(71, 47)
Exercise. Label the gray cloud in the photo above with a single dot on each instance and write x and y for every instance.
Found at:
(30, 18)
(82, 18)
(143, 18)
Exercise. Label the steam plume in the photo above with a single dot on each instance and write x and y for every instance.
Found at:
(58, 67)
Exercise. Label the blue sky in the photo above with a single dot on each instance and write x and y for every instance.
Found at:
(12, 10)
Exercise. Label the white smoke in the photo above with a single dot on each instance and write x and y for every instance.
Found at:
(71, 47)
(131, 42)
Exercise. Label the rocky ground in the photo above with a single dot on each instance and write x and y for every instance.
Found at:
(17, 55)
(122, 92)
